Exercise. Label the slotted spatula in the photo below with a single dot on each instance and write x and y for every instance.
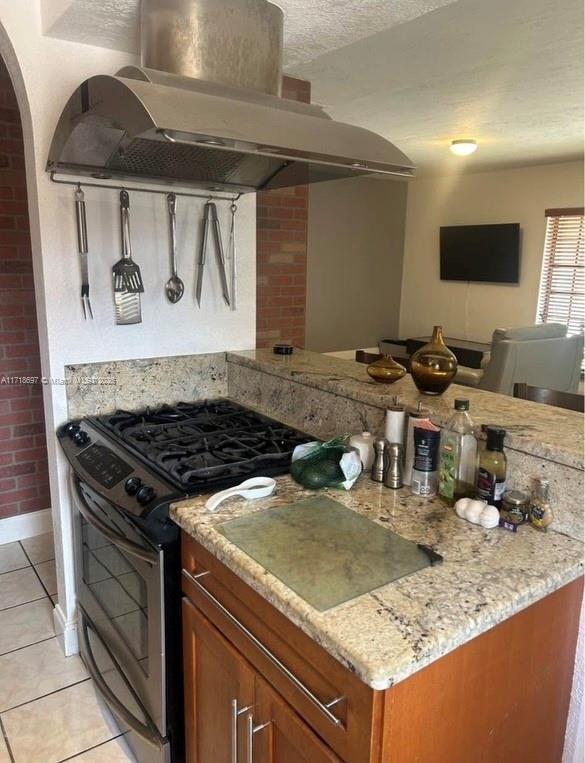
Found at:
(126, 276)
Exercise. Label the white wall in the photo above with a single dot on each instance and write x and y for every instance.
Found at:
(505, 196)
(45, 71)
(354, 262)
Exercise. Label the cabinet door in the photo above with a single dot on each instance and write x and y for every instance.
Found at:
(219, 691)
(278, 735)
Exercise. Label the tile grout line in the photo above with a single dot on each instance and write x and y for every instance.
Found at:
(6, 741)
(26, 646)
(16, 569)
(89, 749)
(22, 603)
(36, 573)
(43, 696)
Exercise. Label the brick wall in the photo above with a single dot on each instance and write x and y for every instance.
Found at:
(24, 484)
(282, 253)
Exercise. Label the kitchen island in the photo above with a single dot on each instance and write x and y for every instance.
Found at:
(496, 622)
(468, 660)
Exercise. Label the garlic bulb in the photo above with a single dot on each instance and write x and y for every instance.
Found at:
(490, 517)
(461, 506)
(474, 510)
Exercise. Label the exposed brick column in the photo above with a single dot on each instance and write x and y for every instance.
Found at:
(24, 483)
(281, 264)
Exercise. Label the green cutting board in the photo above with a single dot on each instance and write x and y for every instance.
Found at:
(325, 552)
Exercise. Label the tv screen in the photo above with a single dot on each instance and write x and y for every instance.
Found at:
(488, 253)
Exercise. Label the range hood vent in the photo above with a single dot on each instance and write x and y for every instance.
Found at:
(149, 125)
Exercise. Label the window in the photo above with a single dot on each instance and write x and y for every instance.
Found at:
(561, 297)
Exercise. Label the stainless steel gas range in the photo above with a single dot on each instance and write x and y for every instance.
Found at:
(125, 470)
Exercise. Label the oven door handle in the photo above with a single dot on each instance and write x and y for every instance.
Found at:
(144, 730)
(151, 557)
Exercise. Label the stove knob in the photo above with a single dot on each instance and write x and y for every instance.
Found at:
(132, 485)
(71, 429)
(80, 437)
(145, 495)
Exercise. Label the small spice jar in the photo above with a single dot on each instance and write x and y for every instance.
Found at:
(515, 507)
(541, 514)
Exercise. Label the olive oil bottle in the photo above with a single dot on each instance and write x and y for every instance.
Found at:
(491, 473)
(458, 456)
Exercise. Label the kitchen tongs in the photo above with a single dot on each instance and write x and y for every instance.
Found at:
(210, 220)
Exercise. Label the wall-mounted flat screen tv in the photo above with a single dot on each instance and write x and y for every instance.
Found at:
(489, 253)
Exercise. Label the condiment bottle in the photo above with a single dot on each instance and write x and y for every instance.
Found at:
(425, 473)
(458, 456)
(416, 416)
(540, 513)
(491, 474)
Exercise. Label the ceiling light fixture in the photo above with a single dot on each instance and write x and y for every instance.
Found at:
(463, 147)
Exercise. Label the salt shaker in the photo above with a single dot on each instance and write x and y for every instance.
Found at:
(393, 476)
(380, 459)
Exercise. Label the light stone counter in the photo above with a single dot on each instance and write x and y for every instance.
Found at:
(386, 635)
(540, 430)
(326, 396)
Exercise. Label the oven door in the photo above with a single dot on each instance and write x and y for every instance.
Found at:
(120, 587)
(119, 697)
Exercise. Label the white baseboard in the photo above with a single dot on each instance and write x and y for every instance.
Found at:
(66, 632)
(25, 526)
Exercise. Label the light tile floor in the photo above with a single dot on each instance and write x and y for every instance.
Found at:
(48, 709)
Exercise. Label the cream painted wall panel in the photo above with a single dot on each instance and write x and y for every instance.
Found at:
(509, 196)
(354, 262)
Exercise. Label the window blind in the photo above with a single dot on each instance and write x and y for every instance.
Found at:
(561, 296)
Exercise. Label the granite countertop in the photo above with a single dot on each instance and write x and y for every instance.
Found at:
(540, 430)
(388, 634)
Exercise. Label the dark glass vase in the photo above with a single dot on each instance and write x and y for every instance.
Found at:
(386, 370)
(434, 366)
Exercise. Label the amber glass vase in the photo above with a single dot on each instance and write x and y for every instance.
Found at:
(386, 370)
(434, 366)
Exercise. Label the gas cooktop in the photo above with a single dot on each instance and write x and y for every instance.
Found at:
(203, 445)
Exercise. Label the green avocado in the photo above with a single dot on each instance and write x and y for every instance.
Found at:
(321, 474)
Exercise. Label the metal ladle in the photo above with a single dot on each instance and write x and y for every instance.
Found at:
(174, 287)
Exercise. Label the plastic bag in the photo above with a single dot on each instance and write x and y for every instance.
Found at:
(316, 465)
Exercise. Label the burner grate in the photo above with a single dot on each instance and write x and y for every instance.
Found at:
(203, 445)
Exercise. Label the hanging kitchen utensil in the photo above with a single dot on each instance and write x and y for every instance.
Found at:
(174, 287)
(81, 221)
(126, 277)
(232, 258)
(210, 220)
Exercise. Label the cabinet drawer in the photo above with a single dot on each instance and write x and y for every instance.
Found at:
(343, 711)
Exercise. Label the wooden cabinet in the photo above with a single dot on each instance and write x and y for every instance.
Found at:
(258, 690)
(219, 690)
(232, 714)
(280, 735)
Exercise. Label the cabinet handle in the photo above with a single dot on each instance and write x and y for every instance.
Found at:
(236, 712)
(252, 731)
(323, 707)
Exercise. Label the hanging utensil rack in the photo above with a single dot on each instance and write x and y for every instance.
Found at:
(212, 196)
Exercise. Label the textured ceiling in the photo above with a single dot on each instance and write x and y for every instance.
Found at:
(311, 28)
(509, 74)
(421, 72)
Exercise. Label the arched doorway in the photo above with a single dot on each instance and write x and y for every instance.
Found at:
(24, 482)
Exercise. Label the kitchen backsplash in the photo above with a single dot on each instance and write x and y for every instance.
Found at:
(95, 388)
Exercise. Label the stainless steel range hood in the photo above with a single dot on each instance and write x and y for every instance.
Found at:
(145, 124)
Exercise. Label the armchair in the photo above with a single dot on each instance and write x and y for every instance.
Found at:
(542, 356)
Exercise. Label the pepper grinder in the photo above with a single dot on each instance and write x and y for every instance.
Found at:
(393, 476)
(380, 464)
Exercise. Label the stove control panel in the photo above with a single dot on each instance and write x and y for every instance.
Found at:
(103, 465)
